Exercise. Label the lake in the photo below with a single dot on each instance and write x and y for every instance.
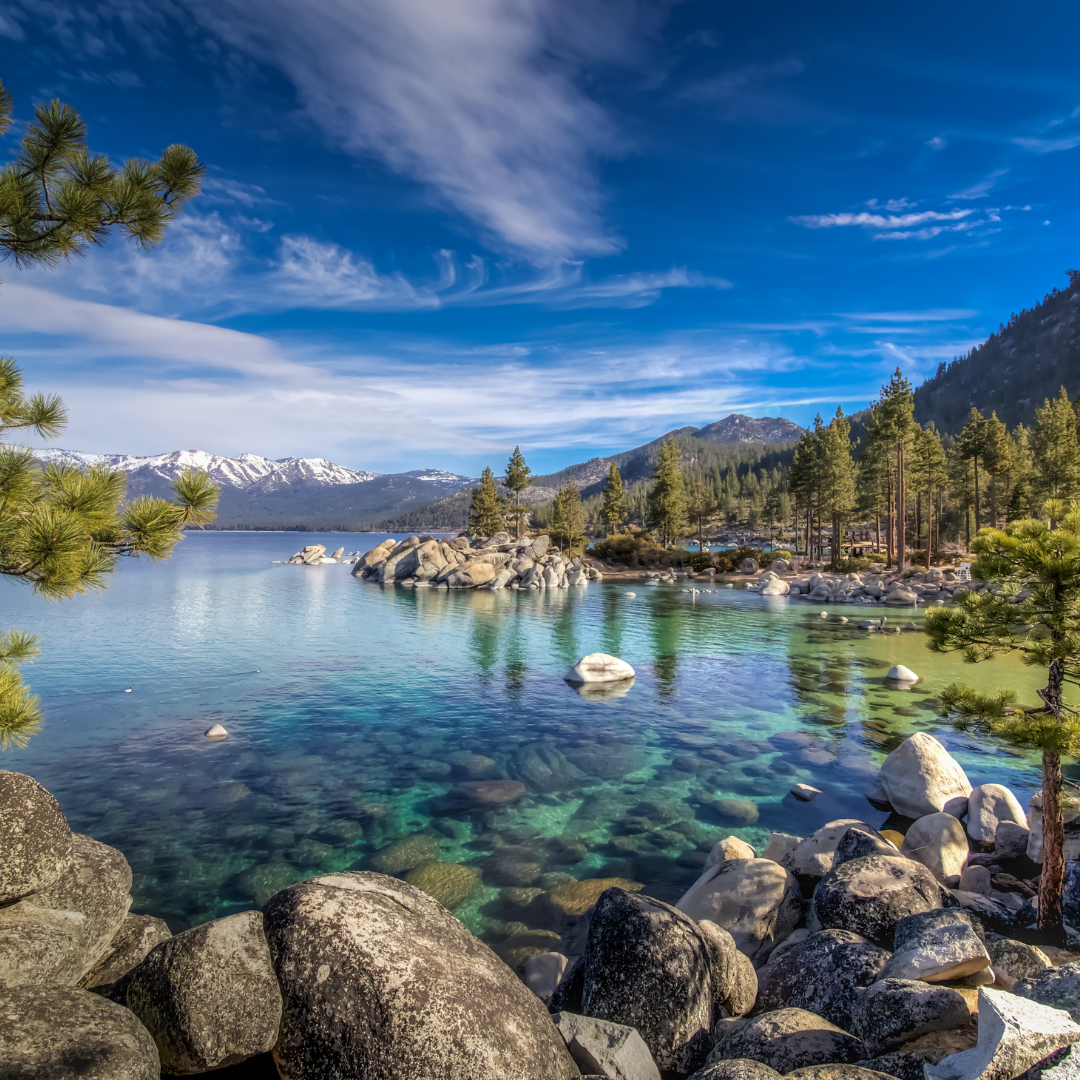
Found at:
(361, 718)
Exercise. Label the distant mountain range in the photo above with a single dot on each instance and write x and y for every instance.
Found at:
(289, 493)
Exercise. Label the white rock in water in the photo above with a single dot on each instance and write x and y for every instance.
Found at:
(824, 614)
(216, 732)
(629, 594)
(805, 792)
(899, 673)
(599, 668)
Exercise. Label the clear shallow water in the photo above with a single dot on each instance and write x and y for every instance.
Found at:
(355, 711)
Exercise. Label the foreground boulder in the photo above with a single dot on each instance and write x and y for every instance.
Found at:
(789, 1039)
(599, 667)
(732, 976)
(35, 839)
(895, 1011)
(137, 935)
(920, 777)
(378, 979)
(933, 946)
(55, 936)
(647, 966)
(937, 841)
(602, 1048)
(208, 996)
(812, 858)
(988, 806)
(1012, 961)
(857, 843)
(756, 900)
(736, 1069)
(1058, 987)
(60, 1032)
(821, 975)
(1014, 1034)
(869, 896)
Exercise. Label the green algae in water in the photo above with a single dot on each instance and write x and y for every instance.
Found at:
(361, 719)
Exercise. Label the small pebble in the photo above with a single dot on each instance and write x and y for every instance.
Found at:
(215, 732)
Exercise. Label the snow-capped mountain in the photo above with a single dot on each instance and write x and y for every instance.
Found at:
(244, 471)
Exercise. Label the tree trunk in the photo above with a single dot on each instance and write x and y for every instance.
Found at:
(877, 527)
(1051, 925)
(901, 538)
(975, 459)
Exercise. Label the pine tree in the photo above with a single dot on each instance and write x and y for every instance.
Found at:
(486, 508)
(613, 510)
(518, 478)
(573, 515)
(1041, 565)
(1056, 450)
(837, 485)
(667, 499)
(929, 476)
(699, 505)
(893, 424)
(63, 531)
(971, 446)
(998, 461)
(558, 523)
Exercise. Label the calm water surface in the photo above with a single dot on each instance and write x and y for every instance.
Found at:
(355, 712)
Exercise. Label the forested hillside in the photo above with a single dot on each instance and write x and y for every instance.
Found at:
(1025, 362)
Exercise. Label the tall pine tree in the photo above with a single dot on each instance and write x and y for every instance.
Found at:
(613, 508)
(667, 500)
(518, 478)
(486, 508)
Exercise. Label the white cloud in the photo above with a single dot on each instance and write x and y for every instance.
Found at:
(1048, 146)
(936, 143)
(877, 221)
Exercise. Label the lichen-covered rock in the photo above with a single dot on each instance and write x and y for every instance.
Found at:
(920, 777)
(1057, 987)
(895, 1011)
(736, 1069)
(35, 840)
(932, 946)
(380, 980)
(646, 965)
(988, 806)
(733, 978)
(756, 900)
(1014, 960)
(822, 975)
(602, 1048)
(59, 1032)
(55, 936)
(838, 1072)
(208, 996)
(789, 1039)
(857, 843)
(137, 935)
(1014, 1034)
(939, 842)
(869, 896)
(908, 1062)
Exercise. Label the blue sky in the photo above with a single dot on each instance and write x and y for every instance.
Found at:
(432, 229)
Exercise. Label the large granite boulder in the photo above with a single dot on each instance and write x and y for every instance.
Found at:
(920, 777)
(822, 975)
(812, 858)
(35, 840)
(60, 1033)
(208, 996)
(937, 841)
(1057, 987)
(1014, 1034)
(732, 976)
(647, 965)
(988, 806)
(471, 575)
(601, 1048)
(380, 980)
(736, 1069)
(137, 935)
(857, 843)
(756, 900)
(869, 896)
(55, 936)
(838, 1071)
(895, 1011)
(599, 668)
(788, 1039)
(1012, 960)
(935, 946)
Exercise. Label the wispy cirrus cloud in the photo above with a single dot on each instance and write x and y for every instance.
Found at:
(867, 219)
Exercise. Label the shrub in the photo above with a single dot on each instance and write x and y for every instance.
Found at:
(727, 562)
(631, 549)
(701, 560)
(851, 566)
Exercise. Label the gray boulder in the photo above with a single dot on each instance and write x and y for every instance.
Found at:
(988, 806)
(749, 566)
(812, 858)
(1057, 987)
(756, 900)
(55, 936)
(895, 1011)
(543, 973)
(1012, 961)
(378, 979)
(920, 777)
(137, 935)
(732, 976)
(35, 840)
(1011, 840)
(869, 896)
(1071, 815)
(822, 975)
(1070, 897)
(937, 841)
(836, 1071)
(932, 946)
(647, 966)
(59, 1033)
(736, 1069)
(1014, 1034)
(788, 1039)
(857, 843)
(602, 1048)
(208, 996)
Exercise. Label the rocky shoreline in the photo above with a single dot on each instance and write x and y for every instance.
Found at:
(852, 953)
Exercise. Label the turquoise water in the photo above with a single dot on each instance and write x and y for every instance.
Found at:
(355, 712)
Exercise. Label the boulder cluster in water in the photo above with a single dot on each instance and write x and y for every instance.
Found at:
(495, 563)
(848, 954)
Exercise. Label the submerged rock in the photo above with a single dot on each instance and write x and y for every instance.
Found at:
(449, 883)
(379, 980)
(579, 897)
